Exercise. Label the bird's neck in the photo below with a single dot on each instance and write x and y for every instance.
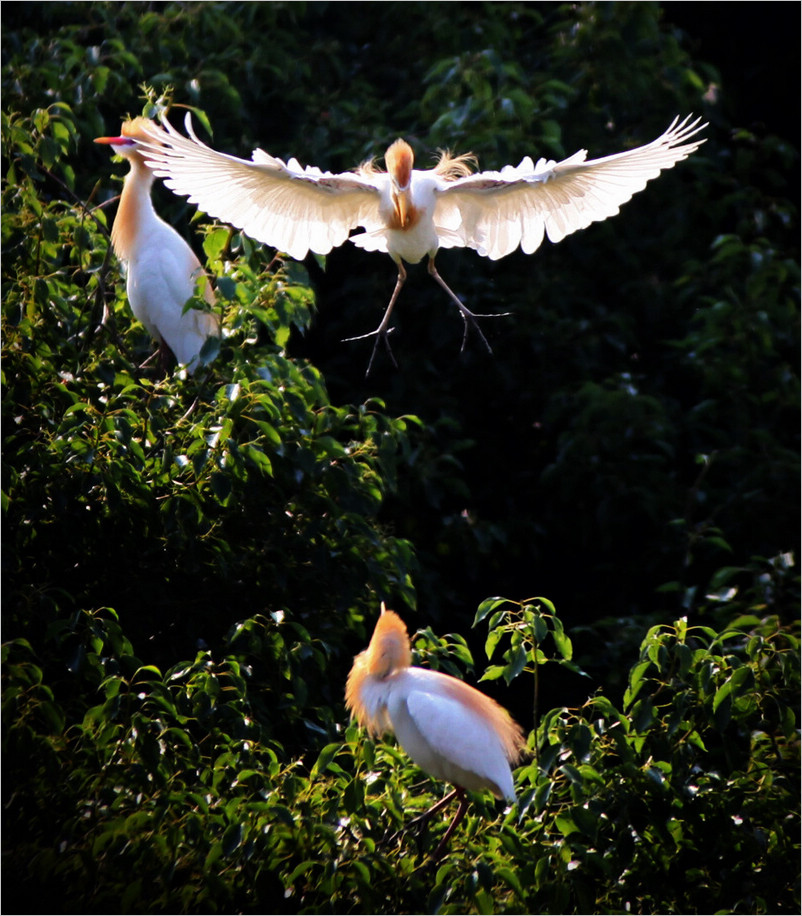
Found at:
(366, 697)
(135, 212)
(404, 214)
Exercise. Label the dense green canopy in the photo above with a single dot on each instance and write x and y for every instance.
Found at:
(190, 563)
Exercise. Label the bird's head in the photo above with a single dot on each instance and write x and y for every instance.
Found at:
(388, 652)
(132, 134)
(389, 649)
(398, 159)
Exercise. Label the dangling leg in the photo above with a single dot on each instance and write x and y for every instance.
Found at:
(382, 332)
(468, 317)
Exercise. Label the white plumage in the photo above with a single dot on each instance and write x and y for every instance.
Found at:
(452, 731)
(161, 269)
(410, 213)
(446, 738)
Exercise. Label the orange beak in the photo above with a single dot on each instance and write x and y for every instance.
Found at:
(401, 201)
(116, 141)
(399, 159)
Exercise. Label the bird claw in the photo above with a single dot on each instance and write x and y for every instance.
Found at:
(469, 321)
(381, 334)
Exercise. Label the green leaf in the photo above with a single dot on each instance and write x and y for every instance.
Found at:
(510, 878)
(733, 684)
(215, 853)
(303, 868)
(270, 433)
(643, 714)
(516, 664)
(540, 628)
(324, 759)
(572, 773)
(487, 607)
(565, 825)
(542, 795)
(214, 242)
(586, 821)
(493, 672)
(493, 639)
(561, 641)
(636, 682)
(226, 287)
(232, 839)
(283, 814)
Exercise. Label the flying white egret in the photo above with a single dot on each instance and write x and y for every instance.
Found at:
(452, 731)
(406, 212)
(161, 269)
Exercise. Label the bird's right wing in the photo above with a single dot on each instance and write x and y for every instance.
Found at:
(283, 205)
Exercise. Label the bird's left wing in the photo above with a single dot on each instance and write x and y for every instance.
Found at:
(495, 212)
(281, 204)
(457, 745)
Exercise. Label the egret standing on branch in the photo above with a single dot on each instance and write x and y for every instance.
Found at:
(411, 213)
(161, 269)
(452, 731)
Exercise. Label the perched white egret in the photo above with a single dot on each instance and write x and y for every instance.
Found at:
(161, 269)
(406, 212)
(452, 731)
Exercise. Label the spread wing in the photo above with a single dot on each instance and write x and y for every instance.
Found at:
(495, 212)
(281, 204)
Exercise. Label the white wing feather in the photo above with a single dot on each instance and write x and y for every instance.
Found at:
(288, 207)
(449, 742)
(161, 277)
(495, 212)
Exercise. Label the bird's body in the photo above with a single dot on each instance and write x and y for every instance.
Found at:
(439, 723)
(410, 213)
(451, 731)
(161, 269)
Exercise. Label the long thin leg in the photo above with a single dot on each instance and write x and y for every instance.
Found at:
(463, 807)
(382, 332)
(163, 354)
(421, 818)
(165, 357)
(433, 810)
(468, 317)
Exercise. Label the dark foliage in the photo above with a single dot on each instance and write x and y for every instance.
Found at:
(189, 563)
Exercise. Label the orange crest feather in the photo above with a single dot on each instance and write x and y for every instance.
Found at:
(389, 648)
(141, 128)
(388, 651)
(398, 159)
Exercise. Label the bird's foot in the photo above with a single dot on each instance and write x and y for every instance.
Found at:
(382, 334)
(469, 321)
